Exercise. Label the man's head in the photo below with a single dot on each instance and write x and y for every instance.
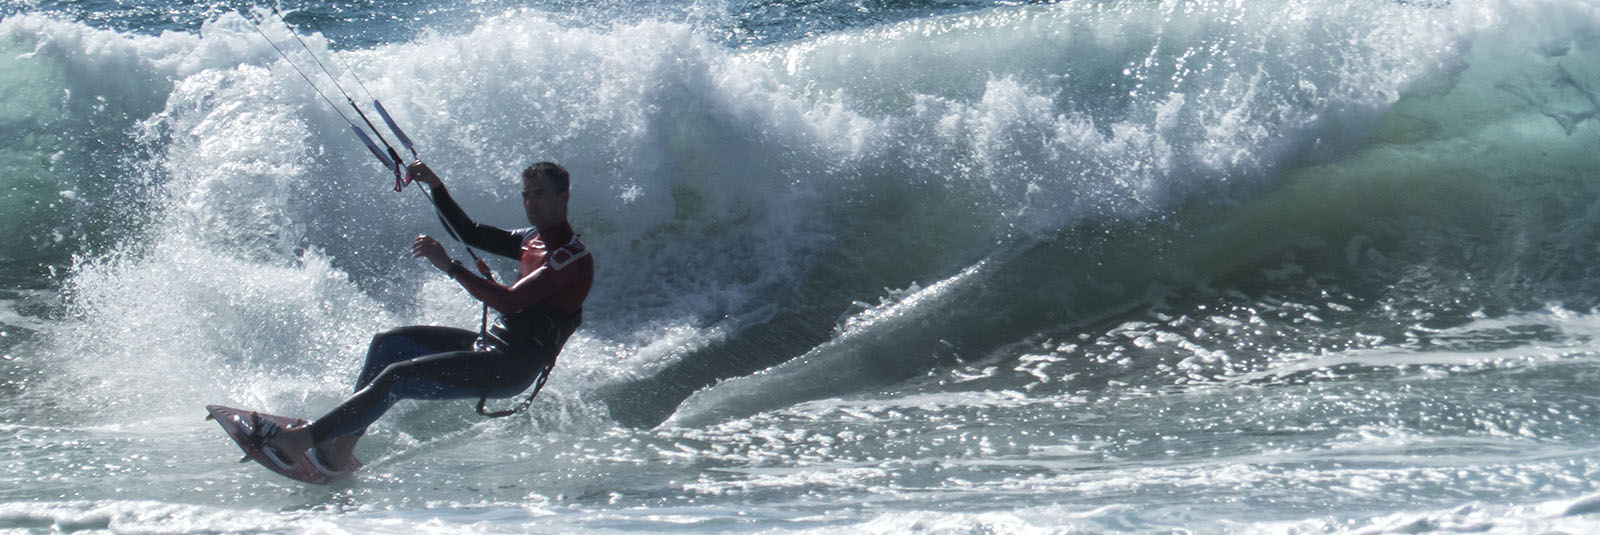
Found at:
(544, 193)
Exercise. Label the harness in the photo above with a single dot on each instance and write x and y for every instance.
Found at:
(551, 325)
(544, 373)
(557, 330)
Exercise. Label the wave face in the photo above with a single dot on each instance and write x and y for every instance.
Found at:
(872, 253)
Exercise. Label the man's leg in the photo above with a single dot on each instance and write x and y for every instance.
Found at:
(389, 347)
(406, 343)
(453, 375)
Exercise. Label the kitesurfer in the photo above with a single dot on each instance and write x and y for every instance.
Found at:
(537, 314)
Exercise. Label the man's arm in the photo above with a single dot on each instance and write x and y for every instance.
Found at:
(486, 237)
(530, 290)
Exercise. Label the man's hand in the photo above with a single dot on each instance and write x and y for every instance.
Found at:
(429, 248)
(419, 172)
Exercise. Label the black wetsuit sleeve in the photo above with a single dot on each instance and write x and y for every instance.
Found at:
(485, 237)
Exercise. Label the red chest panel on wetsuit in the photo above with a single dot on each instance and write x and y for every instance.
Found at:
(573, 255)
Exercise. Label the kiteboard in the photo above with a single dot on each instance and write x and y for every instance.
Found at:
(241, 424)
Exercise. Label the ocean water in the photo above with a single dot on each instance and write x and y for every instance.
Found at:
(944, 267)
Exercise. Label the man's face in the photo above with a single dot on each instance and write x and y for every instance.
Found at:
(543, 204)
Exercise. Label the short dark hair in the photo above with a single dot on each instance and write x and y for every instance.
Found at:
(550, 170)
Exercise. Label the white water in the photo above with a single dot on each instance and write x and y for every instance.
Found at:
(1219, 267)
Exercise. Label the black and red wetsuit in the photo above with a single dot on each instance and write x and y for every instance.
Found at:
(537, 314)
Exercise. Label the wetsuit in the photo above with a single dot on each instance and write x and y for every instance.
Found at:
(537, 315)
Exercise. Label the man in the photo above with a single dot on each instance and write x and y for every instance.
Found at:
(537, 314)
